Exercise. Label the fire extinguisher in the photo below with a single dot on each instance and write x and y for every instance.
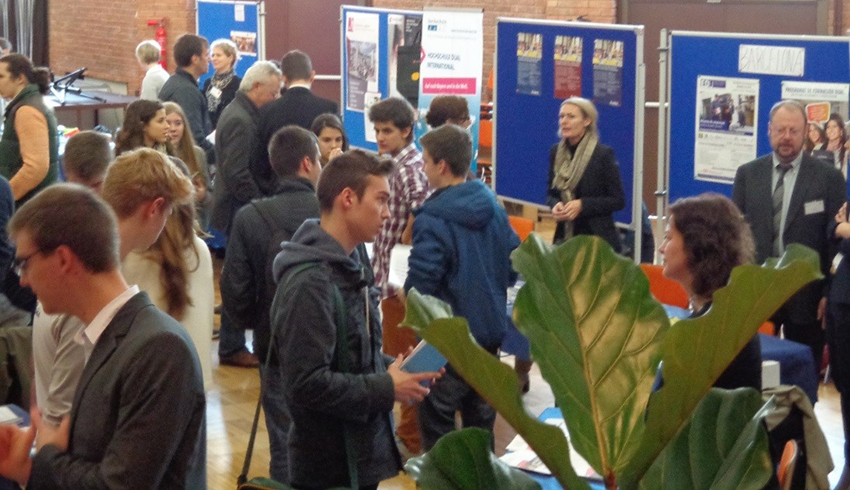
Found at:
(159, 36)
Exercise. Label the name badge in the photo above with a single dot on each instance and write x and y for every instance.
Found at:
(813, 207)
(836, 262)
(216, 93)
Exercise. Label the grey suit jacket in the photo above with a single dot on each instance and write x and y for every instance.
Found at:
(818, 185)
(235, 142)
(138, 415)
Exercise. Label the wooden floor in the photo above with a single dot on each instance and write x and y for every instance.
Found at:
(233, 398)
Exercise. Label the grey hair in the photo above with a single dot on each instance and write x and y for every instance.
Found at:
(792, 105)
(260, 72)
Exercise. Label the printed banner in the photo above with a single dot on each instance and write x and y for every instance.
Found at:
(452, 60)
(529, 57)
(608, 72)
(823, 102)
(726, 118)
(405, 39)
(361, 44)
(568, 51)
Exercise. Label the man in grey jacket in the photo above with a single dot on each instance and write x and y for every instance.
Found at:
(339, 389)
(138, 413)
(192, 54)
(236, 138)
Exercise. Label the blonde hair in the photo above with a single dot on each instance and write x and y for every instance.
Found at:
(148, 51)
(169, 252)
(587, 109)
(143, 175)
(228, 47)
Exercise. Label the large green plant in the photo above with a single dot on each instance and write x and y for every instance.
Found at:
(598, 335)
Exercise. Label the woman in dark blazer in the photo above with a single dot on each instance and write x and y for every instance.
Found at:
(584, 180)
(220, 89)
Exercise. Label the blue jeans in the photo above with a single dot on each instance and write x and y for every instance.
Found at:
(232, 339)
(277, 422)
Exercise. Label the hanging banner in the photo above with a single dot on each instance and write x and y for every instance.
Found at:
(452, 60)
(726, 118)
(568, 50)
(361, 39)
(529, 57)
(608, 72)
(405, 35)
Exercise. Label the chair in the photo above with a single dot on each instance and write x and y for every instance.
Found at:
(665, 290)
(787, 463)
(522, 226)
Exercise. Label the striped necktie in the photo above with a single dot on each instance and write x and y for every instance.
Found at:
(778, 195)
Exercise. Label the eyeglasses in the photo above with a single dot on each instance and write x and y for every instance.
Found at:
(19, 265)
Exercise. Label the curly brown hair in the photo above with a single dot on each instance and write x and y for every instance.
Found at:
(137, 115)
(716, 239)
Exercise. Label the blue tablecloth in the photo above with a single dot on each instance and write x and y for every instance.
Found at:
(796, 363)
(549, 482)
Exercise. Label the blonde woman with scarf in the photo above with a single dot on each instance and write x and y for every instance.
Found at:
(584, 180)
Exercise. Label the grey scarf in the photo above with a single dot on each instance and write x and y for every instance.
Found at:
(218, 81)
(569, 168)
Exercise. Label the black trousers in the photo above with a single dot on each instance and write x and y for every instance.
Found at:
(450, 394)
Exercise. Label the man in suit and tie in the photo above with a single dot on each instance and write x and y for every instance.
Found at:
(790, 197)
(298, 106)
(137, 419)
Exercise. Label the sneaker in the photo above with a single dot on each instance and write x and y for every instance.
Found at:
(242, 358)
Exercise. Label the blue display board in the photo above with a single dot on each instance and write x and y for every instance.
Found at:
(526, 110)
(237, 21)
(355, 126)
(695, 54)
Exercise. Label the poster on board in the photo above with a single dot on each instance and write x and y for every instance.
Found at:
(726, 118)
(529, 57)
(608, 72)
(405, 39)
(452, 61)
(361, 43)
(822, 101)
(568, 50)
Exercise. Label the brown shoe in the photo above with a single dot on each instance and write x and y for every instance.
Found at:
(242, 358)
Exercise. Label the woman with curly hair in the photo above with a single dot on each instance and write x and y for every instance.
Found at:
(184, 148)
(706, 238)
(176, 272)
(144, 126)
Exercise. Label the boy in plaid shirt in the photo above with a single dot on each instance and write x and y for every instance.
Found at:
(393, 119)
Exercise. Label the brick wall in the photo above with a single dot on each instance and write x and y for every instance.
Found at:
(102, 35)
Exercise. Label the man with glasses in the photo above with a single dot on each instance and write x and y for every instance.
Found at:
(142, 187)
(789, 197)
(138, 412)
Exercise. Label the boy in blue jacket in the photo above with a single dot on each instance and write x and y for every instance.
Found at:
(462, 243)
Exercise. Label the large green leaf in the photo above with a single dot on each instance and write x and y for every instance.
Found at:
(494, 380)
(595, 330)
(724, 446)
(697, 351)
(463, 460)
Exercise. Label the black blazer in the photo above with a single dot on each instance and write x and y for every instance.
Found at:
(138, 414)
(601, 192)
(296, 106)
(819, 185)
(228, 93)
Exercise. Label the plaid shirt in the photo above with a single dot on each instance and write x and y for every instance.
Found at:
(408, 189)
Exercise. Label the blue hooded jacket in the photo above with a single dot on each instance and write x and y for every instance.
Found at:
(462, 242)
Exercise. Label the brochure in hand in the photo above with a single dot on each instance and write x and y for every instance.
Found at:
(425, 358)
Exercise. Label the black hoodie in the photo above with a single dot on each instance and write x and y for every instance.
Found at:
(322, 400)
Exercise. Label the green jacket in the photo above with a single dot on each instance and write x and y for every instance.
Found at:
(10, 148)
